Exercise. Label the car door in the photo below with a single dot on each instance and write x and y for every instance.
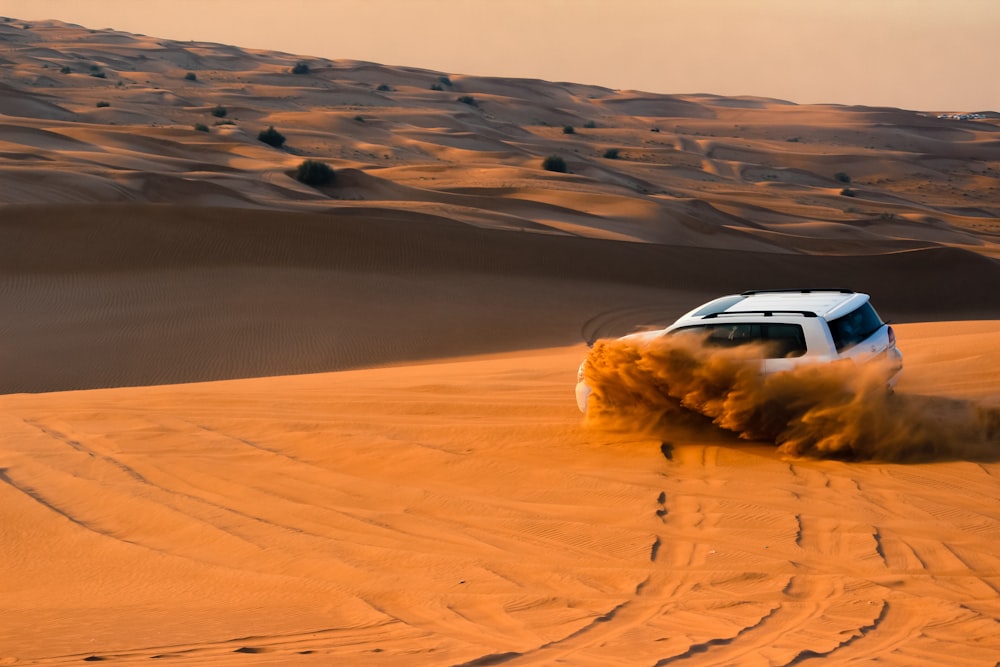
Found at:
(786, 345)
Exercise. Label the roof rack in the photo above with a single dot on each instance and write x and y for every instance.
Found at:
(804, 290)
(765, 313)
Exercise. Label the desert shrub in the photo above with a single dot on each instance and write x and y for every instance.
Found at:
(220, 111)
(359, 118)
(437, 86)
(383, 88)
(300, 68)
(225, 121)
(190, 76)
(468, 99)
(590, 125)
(200, 127)
(847, 192)
(314, 172)
(66, 70)
(554, 163)
(842, 177)
(611, 153)
(793, 140)
(102, 104)
(569, 129)
(445, 81)
(99, 75)
(271, 137)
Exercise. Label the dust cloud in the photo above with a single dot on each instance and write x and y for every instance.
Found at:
(665, 386)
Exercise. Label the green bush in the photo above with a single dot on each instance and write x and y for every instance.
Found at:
(67, 70)
(271, 137)
(300, 68)
(359, 118)
(611, 153)
(190, 76)
(554, 163)
(590, 125)
(847, 192)
(383, 88)
(842, 177)
(468, 99)
(102, 104)
(313, 172)
(569, 129)
(220, 111)
(437, 86)
(200, 127)
(445, 81)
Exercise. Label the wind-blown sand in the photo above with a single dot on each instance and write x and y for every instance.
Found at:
(377, 457)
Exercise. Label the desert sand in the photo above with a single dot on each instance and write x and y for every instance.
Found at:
(250, 421)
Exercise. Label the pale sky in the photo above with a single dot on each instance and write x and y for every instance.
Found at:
(933, 55)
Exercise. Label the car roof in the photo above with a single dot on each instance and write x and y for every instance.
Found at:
(808, 302)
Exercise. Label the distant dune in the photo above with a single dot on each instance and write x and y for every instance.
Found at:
(103, 173)
(372, 454)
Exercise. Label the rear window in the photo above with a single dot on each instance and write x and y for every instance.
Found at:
(782, 340)
(855, 327)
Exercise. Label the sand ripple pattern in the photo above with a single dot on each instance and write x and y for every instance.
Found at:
(460, 514)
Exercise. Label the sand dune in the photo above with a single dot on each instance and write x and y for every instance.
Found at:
(140, 294)
(460, 513)
(132, 96)
(247, 420)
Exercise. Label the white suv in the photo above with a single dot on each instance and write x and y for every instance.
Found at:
(799, 326)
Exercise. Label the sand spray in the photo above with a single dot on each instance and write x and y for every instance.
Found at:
(667, 385)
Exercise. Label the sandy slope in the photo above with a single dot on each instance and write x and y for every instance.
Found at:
(459, 513)
(431, 507)
(139, 294)
(97, 116)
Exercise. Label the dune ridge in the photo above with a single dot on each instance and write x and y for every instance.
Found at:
(137, 294)
(75, 100)
(103, 170)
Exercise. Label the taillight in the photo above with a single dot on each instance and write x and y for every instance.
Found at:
(892, 336)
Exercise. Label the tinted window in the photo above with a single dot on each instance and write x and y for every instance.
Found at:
(782, 340)
(855, 326)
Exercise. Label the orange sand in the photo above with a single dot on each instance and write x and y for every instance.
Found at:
(378, 459)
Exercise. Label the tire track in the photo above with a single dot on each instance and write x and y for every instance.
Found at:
(862, 632)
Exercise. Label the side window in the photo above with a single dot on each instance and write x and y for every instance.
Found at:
(731, 335)
(786, 340)
(855, 326)
(783, 340)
